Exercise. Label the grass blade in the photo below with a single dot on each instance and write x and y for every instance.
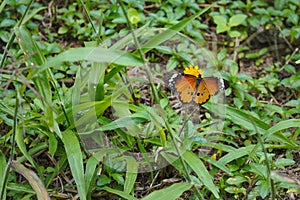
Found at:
(119, 193)
(172, 192)
(22, 146)
(131, 174)
(199, 168)
(3, 175)
(235, 154)
(90, 174)
(167, 34)
(282, 125)
(33, 180)
(74, 155)
(246, 120)
(93, 54)
(217, 164)
(29, 47)
(35, 57)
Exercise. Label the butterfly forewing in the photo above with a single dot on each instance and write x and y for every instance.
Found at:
(212, 84)
(185, 85)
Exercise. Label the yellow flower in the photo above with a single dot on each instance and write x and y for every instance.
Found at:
(193, 70)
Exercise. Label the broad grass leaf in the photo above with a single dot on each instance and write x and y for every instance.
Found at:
(124, 41)
(290, 123)
(217, 164)
(170, 32)
(173, 160)
(130, 141)
(92, 164)
(275, 132)
(93, 54)
(280, 137)
(237, 153)
(283, 162)
(220, 146)
(2, 175)
(236, 180)
(90, 174)
(22, 147)
(21, 187)
(43, 146)
(259, 169)
(112, 72)
(263, 188)
(121, 123)
(35, 57)
(77, 88)
(199, 168)
(131, 174)
(74, 154)
(125, 118)
(96, 81)
(246, 120)
(29, 47)
(52, 143)
(172, 192)
(33, 180)
(95, 108)
(119, 193)
(2, 5)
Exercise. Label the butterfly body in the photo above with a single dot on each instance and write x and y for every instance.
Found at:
(194, 87)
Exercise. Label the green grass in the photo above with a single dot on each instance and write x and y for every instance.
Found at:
(95, 118)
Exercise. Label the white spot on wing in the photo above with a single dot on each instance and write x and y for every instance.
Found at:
(221, 84)
(172, 80)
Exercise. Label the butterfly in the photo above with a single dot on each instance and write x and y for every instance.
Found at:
(191, 86)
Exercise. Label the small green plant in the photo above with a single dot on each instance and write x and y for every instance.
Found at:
(227, 25)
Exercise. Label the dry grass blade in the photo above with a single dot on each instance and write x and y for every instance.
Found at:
(35, 182)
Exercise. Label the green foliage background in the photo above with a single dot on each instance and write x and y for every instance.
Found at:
(65, 69)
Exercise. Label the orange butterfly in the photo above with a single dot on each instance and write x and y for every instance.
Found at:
(191, 86)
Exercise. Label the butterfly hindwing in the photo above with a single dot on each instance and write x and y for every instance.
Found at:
(208, 86)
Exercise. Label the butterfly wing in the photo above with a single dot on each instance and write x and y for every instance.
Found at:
(208, 86)
(185, 85)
